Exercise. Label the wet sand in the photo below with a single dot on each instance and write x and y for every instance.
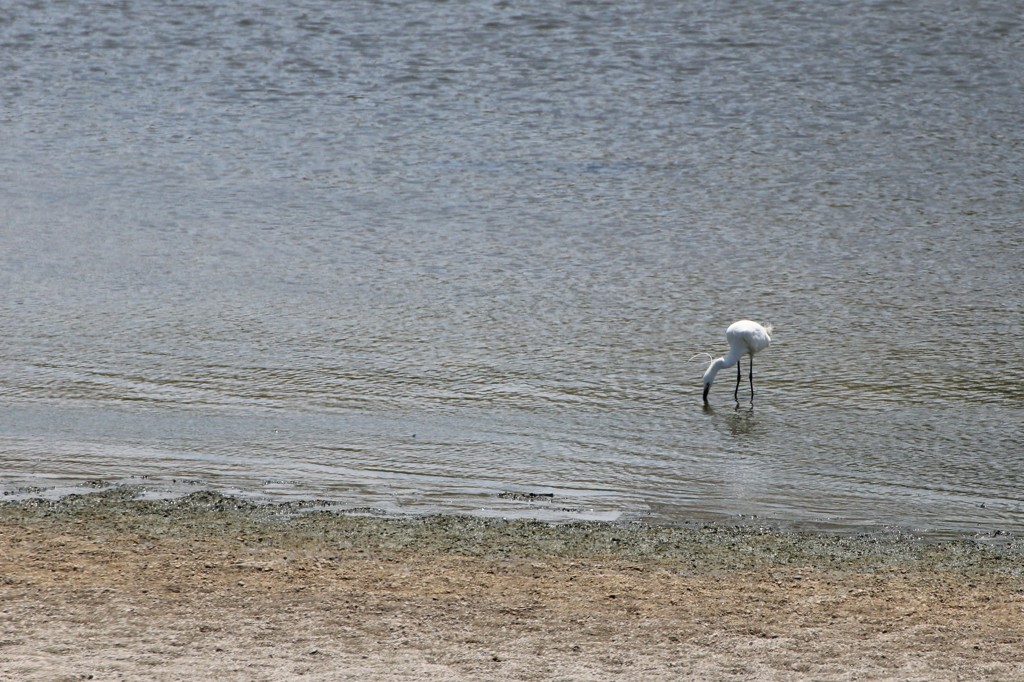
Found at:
(107, 587)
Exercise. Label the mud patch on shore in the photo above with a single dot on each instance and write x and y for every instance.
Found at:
(704, 546)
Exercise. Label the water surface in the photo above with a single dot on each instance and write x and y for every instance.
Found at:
(415, 255)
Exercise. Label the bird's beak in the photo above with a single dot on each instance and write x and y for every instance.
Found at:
(707, 387)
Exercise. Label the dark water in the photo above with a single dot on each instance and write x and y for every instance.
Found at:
(445, 255)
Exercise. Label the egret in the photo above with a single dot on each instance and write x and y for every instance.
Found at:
(745, 338)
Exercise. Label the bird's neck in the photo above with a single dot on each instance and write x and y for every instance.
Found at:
(721, 363)
(734, 355)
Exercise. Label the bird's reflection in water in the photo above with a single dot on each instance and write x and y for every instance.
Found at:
(741, 420)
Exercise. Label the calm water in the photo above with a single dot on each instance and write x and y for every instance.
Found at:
(427, 256)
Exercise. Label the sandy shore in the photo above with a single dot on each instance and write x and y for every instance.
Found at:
(105, 587)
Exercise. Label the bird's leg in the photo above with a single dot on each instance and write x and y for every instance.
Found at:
(752, 378)
(739, 376)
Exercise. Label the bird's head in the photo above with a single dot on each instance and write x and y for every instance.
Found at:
(710, 374)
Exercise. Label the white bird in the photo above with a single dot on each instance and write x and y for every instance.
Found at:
(745, 338)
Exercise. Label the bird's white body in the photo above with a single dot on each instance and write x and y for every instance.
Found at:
(745, 338)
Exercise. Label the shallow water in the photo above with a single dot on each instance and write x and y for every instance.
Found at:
(414, 255)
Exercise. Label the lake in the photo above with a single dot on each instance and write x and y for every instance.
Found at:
(456, 257)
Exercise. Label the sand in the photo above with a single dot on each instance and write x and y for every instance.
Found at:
(108, 587)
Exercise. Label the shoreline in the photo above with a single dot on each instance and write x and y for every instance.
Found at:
(112, 587)
(545, 508)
